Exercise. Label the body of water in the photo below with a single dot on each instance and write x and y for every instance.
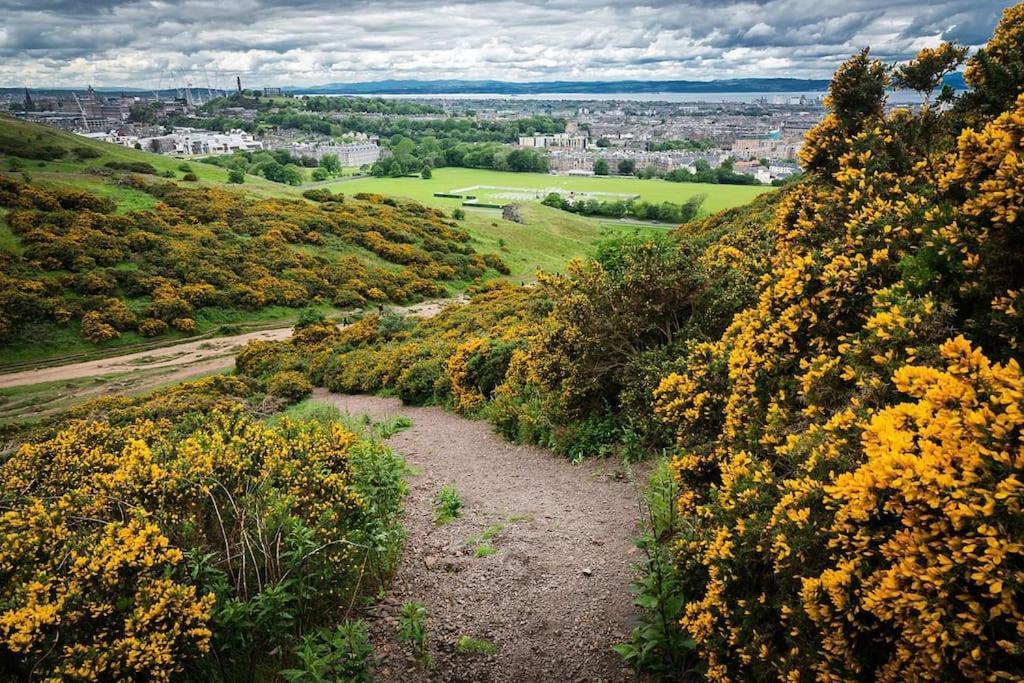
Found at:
(895, 97)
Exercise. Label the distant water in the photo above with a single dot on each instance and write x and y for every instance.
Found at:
(895, 97)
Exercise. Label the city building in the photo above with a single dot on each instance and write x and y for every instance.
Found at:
(192, 141)
(349, 154)
(554, 141)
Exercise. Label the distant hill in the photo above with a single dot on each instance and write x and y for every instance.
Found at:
(414, 87)
(455, 87)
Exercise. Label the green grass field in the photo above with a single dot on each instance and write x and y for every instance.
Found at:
(717, 197)
(547, 240)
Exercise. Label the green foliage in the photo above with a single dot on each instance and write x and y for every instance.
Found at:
(343, 653)
(485, 550)
(666, 212)
(309, 316)
(447, 505)
(657, 644)
(601, 167)
(132, 167)
(390, 426)
(467, 645)
(412, 630)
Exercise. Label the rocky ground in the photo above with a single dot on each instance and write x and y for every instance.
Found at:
(552, 599)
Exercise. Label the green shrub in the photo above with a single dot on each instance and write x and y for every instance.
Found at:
(133, 167)
(83, 153)
(419, 383)
(343, 653)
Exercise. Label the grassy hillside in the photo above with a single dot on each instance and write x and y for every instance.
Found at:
(74, 210)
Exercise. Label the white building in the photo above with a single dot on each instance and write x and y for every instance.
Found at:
(195, 142)
(349, 154)
(554, 141)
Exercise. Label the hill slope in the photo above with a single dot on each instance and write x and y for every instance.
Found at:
(99, 233)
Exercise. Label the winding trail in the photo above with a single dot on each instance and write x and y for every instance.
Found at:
(553, 599)
(183, 360)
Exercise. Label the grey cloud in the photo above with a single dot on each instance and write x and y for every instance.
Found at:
(60, 42)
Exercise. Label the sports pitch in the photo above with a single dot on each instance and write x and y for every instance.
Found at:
(500, 187)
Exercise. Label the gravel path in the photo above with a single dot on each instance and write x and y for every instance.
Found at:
(183, 360)
(553, 599)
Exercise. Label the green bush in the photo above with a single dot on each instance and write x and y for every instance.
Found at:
(420, 382)
(133, 167)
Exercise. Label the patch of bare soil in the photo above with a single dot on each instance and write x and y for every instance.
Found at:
(553, 599)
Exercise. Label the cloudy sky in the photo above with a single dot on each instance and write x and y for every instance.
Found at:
(305, 42)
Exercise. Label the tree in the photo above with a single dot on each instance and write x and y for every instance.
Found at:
(603, 142)
(627, 167)
(601, 167)
(320, 174)
(330, 164)
(236, 177)
(426, 174)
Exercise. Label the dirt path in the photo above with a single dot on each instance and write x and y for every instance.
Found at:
(553, 599)
(179, 361)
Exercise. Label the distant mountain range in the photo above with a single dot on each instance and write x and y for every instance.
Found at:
(456, 87)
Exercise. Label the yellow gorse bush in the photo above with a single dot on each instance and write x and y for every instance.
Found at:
(103, 530)
(833, 529)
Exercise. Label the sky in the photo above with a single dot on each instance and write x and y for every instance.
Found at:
(164, 43)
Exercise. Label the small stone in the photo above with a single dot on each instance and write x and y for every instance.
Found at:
(430, 561)
(587, 571)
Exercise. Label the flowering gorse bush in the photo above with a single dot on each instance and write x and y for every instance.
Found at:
(849, 449)
(130, 553)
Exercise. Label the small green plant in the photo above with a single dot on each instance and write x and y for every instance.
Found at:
(492, 531)
(458, 214)
(447, 505)
(390, 426)
(412, 630)
(475, 646)
(339, 654)
(484, 548)
(657, 644)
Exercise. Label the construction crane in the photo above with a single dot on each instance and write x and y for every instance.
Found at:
(85, 117)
